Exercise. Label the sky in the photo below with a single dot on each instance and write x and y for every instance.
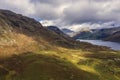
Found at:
(71, 14)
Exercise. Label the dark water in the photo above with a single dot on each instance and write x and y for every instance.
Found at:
(112, 45)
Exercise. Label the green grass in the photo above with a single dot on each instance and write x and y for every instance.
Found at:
(43, 67)
(105, 63)
(62, 64)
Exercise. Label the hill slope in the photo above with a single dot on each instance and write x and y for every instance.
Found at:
(58, 31)
(18, 30)
(29, 51)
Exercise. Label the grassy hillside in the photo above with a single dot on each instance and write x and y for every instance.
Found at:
(20, 34)
(29, 51)
(61, 64)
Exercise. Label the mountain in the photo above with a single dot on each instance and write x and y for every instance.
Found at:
(93, 34)
(56, 30)
(64, 32)
(115, 37)
(68, 32)
(83, 35)
(100, 34)
(29, 51)
(61, 34)
(21, 26)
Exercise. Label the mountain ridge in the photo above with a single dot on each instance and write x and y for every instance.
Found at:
(100, 34)
(28, 26)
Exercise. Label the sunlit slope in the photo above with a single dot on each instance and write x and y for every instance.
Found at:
(20, 34)
(62, 64)
(29, 51)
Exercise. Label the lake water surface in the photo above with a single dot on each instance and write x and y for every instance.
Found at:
(112, 45)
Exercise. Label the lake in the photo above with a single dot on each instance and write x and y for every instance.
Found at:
(112, 45)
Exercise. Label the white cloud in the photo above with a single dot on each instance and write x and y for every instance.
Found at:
(47, 22)
(78, 27)
(24, 7)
